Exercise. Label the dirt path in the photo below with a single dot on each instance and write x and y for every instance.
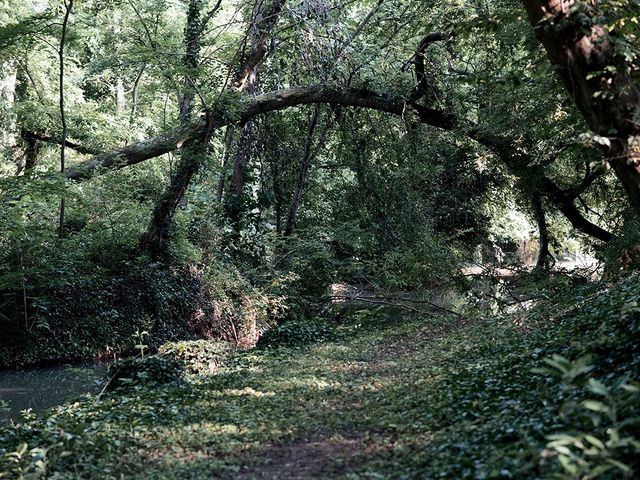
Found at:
(305, 459)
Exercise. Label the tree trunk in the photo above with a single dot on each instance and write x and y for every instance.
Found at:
(155, 240)
(228, 144)
(302, 173)
(597, 77)
(192, 41)
(247, 79)
(31, 150)
(544, 256)
(246, 147)
(8, 79)
(68, 4)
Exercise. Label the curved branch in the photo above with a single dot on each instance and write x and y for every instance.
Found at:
(569, 210)
(268, 102)
(421, 88)
(69, 144)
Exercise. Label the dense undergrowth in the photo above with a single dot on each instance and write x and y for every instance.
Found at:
(549, 393)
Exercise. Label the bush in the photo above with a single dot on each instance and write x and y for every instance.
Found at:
(296, 333)
(148, 371)
(309, 266)
(199, 356)
(430, 262)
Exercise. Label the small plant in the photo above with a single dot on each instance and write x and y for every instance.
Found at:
(139, 336)
(608, 444)
(4, 407)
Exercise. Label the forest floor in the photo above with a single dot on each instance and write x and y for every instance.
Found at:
(388, 397)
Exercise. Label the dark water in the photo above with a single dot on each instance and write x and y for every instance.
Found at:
(44, 388)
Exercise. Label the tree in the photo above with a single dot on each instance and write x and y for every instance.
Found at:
(598, 62)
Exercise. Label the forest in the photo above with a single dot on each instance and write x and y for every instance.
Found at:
(341, 239)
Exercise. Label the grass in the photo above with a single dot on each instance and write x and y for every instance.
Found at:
(391, 397)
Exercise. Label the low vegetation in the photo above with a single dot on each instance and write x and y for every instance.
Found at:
(551, 393)
(355, 239)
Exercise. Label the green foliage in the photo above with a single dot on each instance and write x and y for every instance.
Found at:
(296, 333)
(608, 444)
(199, 356)
(418, 398)
(149, 371)
(308, 268)
(429, 263)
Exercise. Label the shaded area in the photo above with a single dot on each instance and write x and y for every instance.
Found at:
(42, 388)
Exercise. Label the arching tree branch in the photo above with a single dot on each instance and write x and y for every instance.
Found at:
(250, 107)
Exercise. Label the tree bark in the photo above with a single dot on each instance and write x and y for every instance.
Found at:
(8, 80)
(247, 79)
(31, 150)
(569, 210)
(191, 57)
(68, 5)
(228, 143)
(598, 78)
(155, 240)
(263, 25)
(303, 171)
(544, 255)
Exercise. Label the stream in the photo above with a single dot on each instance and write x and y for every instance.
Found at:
(43, 388)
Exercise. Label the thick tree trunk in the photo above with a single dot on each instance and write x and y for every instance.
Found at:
(31, 150)
(155, 240)
(192, 42)
(597, 77)
(247, 79)
(262, 27)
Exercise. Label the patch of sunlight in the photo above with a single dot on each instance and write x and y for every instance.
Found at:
(313, 382)
(248, 391)
(213, 428)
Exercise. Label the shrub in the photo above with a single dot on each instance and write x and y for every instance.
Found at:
(604, 442)
(430, 262)
(309, 266)
(154, 370)
(296, 333)
(199, 356)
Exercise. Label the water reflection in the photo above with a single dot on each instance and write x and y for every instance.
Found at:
(44, 388)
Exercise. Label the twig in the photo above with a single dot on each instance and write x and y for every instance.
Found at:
(105, 387)
(366, 298)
